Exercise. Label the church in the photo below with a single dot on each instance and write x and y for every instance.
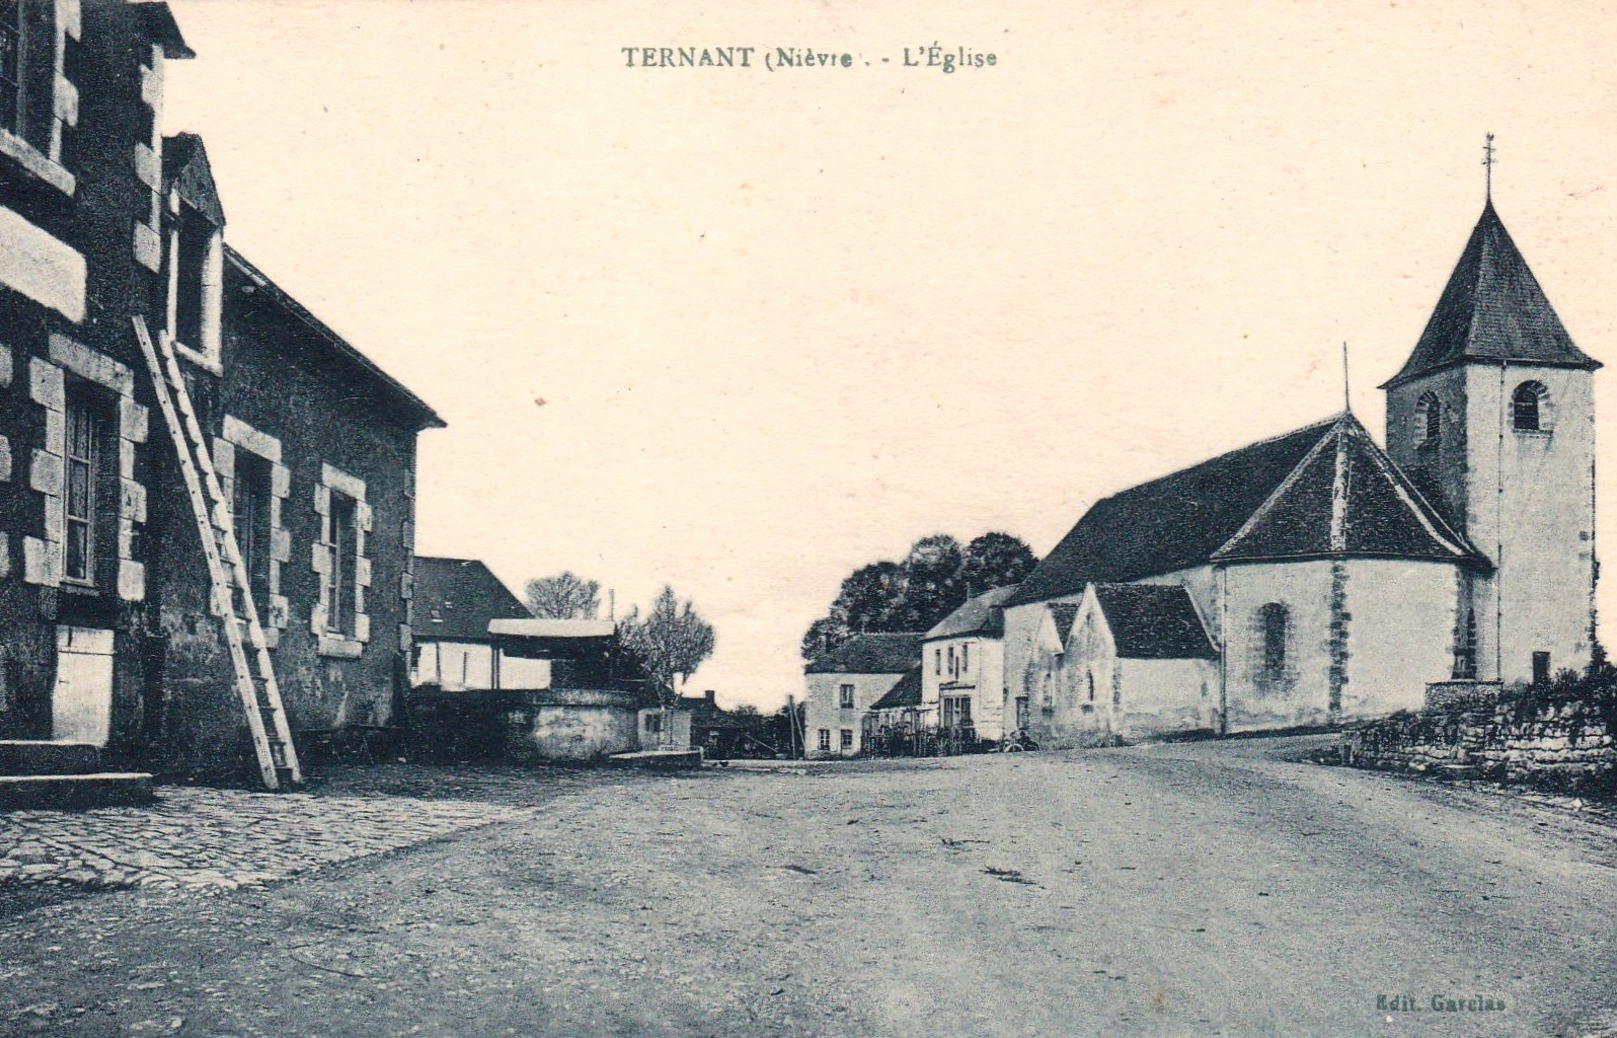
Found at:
(1318, 577)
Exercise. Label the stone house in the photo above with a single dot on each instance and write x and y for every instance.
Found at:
(206, 495)
(841, 685)
(1336, 580)
(963, 668)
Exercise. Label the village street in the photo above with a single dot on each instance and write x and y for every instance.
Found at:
(1210, 888)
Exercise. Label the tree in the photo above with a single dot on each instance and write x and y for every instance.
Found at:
(670, 642)
(995, 560)
(565, 596)
(935, 578)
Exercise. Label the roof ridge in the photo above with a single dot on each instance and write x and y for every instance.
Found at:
(1277, 437)
(1279, 492)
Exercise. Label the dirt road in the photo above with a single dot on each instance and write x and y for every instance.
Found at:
(1211, 888)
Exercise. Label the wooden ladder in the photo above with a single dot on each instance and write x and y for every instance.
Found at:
(260, 695)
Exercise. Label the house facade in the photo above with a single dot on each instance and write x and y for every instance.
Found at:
(963, 668)
(843, 684)
(179, 437)
(1335, 579)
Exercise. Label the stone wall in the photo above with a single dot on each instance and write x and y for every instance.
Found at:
(1565, 746)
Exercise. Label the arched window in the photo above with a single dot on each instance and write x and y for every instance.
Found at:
(1428, 418)
(1274, 622)
(1529, 406)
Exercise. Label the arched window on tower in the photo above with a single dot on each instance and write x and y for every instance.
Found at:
(1529, 407)
(1428, 418)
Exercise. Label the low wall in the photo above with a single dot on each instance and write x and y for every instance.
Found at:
(551, 725)
(1567, 746)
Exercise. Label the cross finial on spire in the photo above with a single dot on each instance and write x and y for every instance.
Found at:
(1347, 390)
(1487, 166)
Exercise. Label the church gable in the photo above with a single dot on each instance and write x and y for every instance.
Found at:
(1346, 498)
(1492, 309)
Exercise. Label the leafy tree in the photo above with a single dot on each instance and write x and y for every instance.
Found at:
(995, 560)
(670, 642)
(935, 578)
(565, 596)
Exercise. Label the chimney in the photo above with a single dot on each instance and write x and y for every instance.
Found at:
(709, 694)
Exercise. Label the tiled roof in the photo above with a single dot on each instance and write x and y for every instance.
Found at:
(906, 691)
(983, 614)
(455, 599)
(1170, 523)
(1347, 498)
(1492, 309)
(871, 654)
(1154, 622)
(1273, 500)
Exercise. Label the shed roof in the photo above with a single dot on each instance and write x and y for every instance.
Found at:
(457, 599)
(906, 692)
(880, 653)
(1154, 622)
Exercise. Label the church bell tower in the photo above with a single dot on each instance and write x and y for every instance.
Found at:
(1492, 417)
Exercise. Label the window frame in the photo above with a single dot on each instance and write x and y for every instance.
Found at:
(845, 739)
(845, 697)
(1530, 399)
(824, 740)
(82, 412)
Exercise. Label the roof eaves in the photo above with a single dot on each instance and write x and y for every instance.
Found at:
(426, 417)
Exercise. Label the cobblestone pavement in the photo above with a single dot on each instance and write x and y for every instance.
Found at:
(216, 839)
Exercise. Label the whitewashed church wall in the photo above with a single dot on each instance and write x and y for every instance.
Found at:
(1544, 515)
(1400, 633)
(1161, 697)
(1297, 692)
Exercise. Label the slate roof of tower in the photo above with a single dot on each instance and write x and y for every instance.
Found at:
(1492, 309)
(906, 691)
(1347, 498)
(871, 654)
(983, 614)
(455, 599)
(1271, 500)
(1170, 523)
(1154, 622)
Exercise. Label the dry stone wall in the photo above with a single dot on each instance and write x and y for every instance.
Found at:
(1565, 746)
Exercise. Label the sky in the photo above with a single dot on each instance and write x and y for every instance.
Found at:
(742, 331)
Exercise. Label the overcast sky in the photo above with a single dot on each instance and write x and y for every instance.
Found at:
(744, 331)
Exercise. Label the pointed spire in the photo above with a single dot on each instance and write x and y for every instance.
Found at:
(1492, 310)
